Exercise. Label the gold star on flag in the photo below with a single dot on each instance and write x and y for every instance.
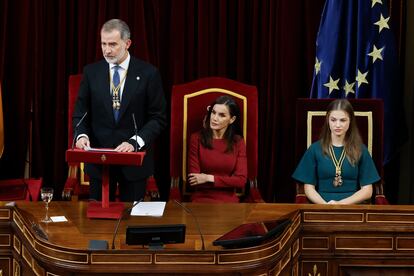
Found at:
(361, 78)
(332, 84)
(349, 87)
(373, 2)
(317, 66)
(376, 54)
(382, 23)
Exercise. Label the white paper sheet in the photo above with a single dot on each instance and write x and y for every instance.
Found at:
(58, 218)
(99, 149)
(151, 208)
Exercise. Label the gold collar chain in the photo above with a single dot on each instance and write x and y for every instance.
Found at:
(116, 101)
(338, 166)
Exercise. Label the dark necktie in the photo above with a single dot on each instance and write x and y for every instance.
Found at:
(116, 93)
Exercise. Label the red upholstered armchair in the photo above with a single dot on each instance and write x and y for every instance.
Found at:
(369, 113)
(188, 108)
(77, 180)
(18, 189)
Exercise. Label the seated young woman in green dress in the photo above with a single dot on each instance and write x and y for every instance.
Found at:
(338, 169)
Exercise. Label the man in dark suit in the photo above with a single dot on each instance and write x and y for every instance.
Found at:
(113, 93)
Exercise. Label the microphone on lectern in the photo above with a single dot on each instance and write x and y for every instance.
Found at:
(119, 221)
(136, 132)
(188, 210)
(76, 129)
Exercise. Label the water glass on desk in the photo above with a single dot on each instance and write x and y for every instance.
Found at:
(46, 194)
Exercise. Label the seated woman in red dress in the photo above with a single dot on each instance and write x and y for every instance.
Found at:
(217, 155)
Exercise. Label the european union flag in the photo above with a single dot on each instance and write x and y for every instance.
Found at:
(356, 57)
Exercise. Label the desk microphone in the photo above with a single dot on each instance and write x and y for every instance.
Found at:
(136, 132)
(76, 129)
(188, 210)
(119, 221)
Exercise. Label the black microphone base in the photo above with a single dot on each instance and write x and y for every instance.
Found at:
(98, 245)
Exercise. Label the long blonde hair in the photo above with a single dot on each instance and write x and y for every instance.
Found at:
(352, 141)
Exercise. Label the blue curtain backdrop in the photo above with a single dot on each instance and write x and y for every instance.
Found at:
(356, 57)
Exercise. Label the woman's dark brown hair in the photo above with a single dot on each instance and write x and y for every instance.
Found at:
(352, 141)
(233, 132)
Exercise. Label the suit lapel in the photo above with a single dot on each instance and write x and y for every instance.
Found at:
(131, 84)
(104, 88)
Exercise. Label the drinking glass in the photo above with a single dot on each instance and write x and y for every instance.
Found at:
(47, 194)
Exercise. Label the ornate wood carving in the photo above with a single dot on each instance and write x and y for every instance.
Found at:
(321, 240)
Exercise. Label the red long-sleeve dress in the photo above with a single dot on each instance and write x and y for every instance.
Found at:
(229, 169)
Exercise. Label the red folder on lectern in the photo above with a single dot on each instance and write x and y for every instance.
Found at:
(106, 158)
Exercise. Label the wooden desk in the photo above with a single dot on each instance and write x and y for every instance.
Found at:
(330, 240)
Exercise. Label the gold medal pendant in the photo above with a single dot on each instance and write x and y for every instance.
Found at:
(116, 100)
(338, 178)
(337, 181)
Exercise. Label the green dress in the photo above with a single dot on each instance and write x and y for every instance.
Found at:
(318, 169)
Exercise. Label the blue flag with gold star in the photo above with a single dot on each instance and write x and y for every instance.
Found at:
(356, 57)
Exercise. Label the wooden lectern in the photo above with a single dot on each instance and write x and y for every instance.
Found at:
(105, 209)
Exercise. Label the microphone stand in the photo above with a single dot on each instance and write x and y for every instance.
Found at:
(119, 221)
(76, 129)
(136, 132)
(188, 210)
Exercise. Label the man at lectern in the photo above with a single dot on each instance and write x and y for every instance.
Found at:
(120, 105)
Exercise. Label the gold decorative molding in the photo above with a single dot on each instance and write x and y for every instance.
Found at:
(16, 268)
(17, 244)
(37, 269)
(295, 247)
(18, 221)
(314, 271)
(7, 240)
(209, 258)
(4, 214)
(26, 256)
(324, 240)
(286, 259)
(102, 258)
(370, 243)
(51, 274)
(390, 217)
(185, 116)
(333, 217)
(60, 254)
(404, 243)
(367, 114)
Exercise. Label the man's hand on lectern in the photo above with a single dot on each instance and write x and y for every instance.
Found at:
(125, 147)
(83, 143)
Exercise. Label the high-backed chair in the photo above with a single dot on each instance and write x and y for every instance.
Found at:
(21, 188)
(369, 113)
(77, 180)
(188, 108)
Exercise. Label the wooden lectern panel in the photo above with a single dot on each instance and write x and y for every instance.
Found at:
(105, 157)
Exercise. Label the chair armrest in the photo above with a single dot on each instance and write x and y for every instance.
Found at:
(34, 186)
(13, 189)
(381, 200)
(73, 184)
(301, 199)
(254, 195)
(175, 192)
(152, 189)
